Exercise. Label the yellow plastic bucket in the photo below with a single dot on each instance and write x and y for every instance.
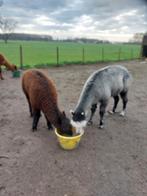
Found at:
(68, 143)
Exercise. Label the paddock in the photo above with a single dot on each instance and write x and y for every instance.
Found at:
(112, 161)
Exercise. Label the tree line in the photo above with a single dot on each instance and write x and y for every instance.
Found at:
(25, 36)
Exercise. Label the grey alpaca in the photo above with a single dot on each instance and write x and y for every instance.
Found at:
(110, 81)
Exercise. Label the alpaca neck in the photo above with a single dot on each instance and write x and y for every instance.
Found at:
(53, 115)
(84, 103)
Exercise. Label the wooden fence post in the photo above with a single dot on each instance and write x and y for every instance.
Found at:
(21, 57)
(57, 56)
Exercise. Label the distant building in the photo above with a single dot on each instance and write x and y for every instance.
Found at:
(144, 46)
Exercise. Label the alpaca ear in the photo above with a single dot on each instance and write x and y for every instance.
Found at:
(72, 112)
(64, 113)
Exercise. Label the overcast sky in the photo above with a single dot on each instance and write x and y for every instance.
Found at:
(108, 19)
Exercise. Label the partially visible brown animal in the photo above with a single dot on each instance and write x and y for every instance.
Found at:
(5, 62)
(41, 94)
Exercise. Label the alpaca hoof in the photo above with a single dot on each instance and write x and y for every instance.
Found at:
(110, 112)
(34, 129)
(90, 122)
(50, 128)
(122, 114)
(101, 126)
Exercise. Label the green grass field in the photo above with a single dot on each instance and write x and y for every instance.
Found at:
(37, 53)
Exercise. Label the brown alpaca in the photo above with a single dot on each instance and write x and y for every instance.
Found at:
(5, 62)
(42, 96)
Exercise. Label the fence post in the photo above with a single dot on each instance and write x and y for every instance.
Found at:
(119, 54)
(83, 55)
(57, 56)
(21, 57)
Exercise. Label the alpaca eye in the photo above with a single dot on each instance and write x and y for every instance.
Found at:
(72, 112)
(82, 113)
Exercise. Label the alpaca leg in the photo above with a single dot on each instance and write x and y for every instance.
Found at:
(49, 125)
(93, 109)
(103, 106)
(124, 97)
(36, 116)
(116, 100)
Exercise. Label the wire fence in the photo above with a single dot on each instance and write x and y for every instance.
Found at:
(45, 55)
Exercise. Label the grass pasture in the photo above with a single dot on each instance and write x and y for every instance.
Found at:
(36, 53)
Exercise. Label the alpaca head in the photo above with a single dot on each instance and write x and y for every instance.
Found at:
(13, 67)
(78, 119)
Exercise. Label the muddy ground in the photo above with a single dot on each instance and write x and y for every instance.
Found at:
(108, 162)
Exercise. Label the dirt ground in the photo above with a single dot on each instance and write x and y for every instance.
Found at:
(108, 162)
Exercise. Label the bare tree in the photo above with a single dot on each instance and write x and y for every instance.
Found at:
(137, 38)
(7, 27)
